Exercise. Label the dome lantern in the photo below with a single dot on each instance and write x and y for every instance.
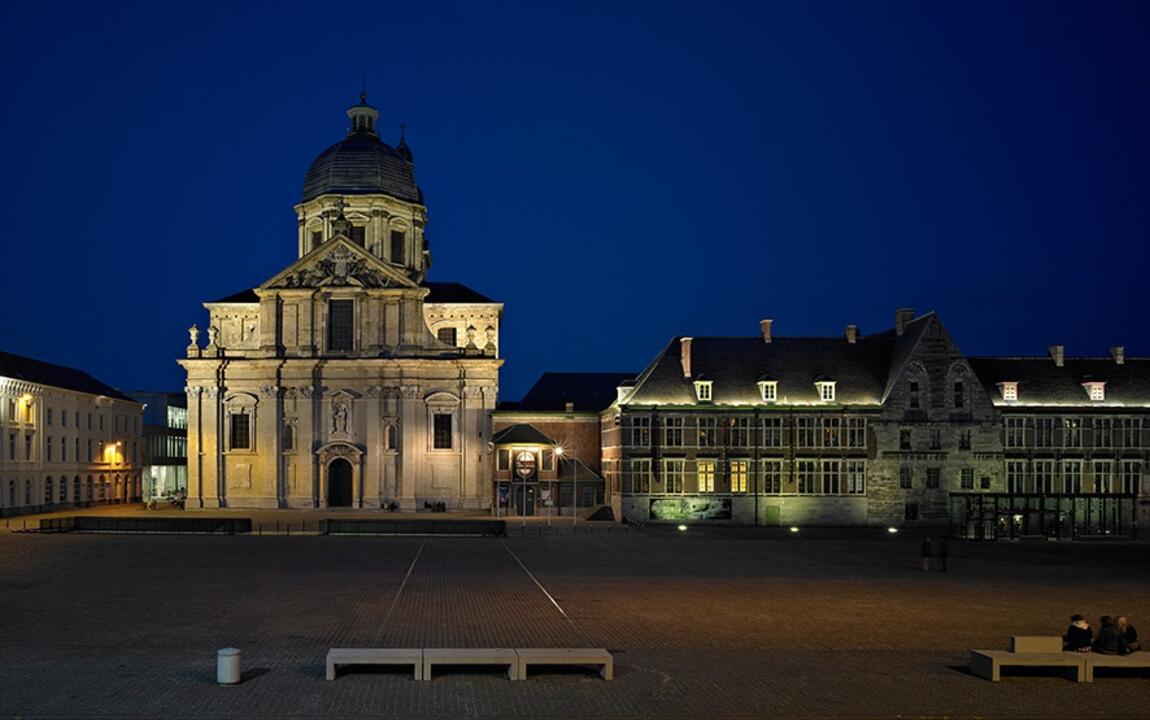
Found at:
(363, 117)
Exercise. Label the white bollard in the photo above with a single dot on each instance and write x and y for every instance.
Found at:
(228, 666)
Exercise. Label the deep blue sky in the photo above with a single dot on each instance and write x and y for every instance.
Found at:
(615, 175)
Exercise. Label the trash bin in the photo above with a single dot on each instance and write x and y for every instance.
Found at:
(228, 666)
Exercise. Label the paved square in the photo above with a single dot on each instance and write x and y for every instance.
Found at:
(707, 623)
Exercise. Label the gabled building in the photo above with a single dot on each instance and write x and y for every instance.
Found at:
(347, 379)
(892, 428)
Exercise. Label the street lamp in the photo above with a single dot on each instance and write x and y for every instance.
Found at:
(574, 486)
(558, 454)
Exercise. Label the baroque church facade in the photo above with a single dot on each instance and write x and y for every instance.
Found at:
(347, 379)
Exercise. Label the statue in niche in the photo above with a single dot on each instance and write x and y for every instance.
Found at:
(339, 414)
(490, 347)
(471, 336)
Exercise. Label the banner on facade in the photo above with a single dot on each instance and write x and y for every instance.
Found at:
(690, 508)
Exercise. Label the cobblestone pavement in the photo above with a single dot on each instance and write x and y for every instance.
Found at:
(708, 623)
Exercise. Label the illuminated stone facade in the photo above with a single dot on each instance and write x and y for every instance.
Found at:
(884, 429)
(347, 379)
(66, 439)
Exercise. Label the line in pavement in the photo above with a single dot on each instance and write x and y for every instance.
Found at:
(543, 590)
(402, 585)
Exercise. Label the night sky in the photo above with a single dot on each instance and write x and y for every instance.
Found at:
(614, 176)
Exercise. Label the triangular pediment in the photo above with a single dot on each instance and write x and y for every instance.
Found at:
(339, 263)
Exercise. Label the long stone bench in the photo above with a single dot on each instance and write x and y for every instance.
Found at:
(567, 656)
(337, 657)
(1027, 651)
(1094, 660)
(471, 656)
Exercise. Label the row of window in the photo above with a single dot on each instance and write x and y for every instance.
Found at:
(1072, 476)
(1068, 432)
(933, 478)
(57, 490)
(1095, 390)
(240, 435)
(906, 439)
(768, 390)
(100, 452)
(809, 431)
(767, 477)
(22, 411)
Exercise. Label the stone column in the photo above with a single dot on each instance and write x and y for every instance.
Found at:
(372, 462)
(412, 446)
(213, 443)
(195, 448)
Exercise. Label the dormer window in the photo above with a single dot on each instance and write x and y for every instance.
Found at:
(1096, 390)
(826, 390)
(703, 390)
(1009, 390)
(769, 390)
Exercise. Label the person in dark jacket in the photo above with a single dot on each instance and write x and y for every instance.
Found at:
(1079, 637)
(1110, 641)
(1129, 634)
(926, 555)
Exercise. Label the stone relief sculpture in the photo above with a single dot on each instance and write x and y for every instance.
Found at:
(339, 267)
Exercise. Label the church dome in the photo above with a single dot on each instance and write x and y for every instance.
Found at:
(362, 164)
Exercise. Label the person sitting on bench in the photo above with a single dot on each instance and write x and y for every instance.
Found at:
(1079, 637)
(1129, 634)
(1110, 641)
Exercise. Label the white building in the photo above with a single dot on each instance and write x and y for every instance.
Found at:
(68, 439)
(346, 379)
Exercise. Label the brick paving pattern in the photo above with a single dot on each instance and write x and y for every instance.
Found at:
(708, 623)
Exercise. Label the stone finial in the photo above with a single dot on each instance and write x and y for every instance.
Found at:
(852, 334)
(1057, 354)
(765, 329)
(1118, 352)
(193, 341)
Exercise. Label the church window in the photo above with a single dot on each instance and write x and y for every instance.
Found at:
(442, 431)
(398, 243)
(446, 335)
(339, 329)
(959, 394)
(240, 432)
(289, 436)
(392, 437)
(316, 238)
(359, 234)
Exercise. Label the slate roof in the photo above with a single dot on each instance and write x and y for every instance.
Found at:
(29, 369)
(521, 433)
(1041, 382)
(736, 364)
(362, 164)
(441, 292)
(590, 392)
(453, 292)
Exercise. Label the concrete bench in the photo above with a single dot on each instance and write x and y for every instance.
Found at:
(567, 656)
(1133, 660)
(374, 656)
(1035, 644)
(988, 663)
(471, 656)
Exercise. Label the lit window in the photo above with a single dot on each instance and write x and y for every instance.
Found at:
(826, 390)
(706, 472)
(738, 476)
(703, 390)
(1009, 390)
(769, 389)
(1096, 390)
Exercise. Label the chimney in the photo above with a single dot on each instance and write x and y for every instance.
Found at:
(685, 356)
(1118, 352)
(570, 406)
(901, 317)
(1058, 353)
(852, 334)
(765, 329)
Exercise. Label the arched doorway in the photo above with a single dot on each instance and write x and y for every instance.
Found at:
(339, 483)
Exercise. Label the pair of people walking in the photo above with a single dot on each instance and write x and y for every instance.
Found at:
(1116, 636)
(928, 553)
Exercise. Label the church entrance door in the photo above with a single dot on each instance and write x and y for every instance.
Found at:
(339, 483)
